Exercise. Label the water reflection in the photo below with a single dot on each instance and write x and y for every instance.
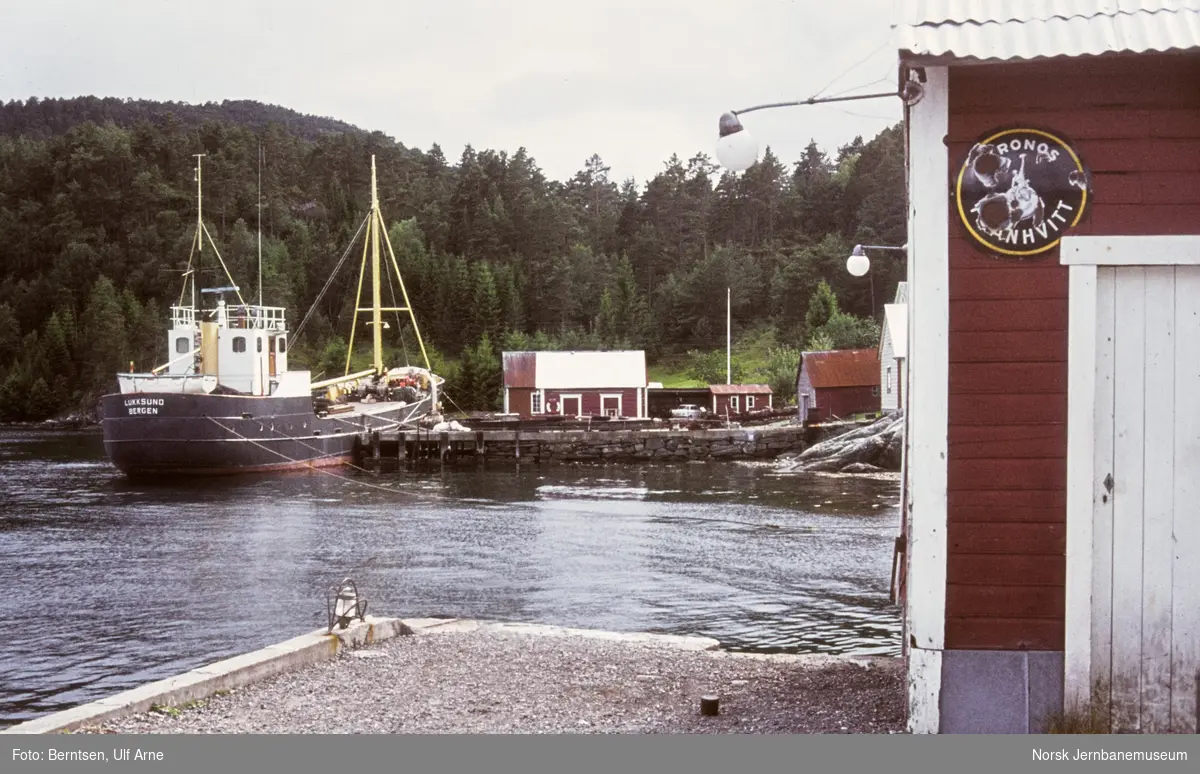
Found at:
(135, 581)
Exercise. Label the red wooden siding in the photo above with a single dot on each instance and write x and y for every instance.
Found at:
(520, 400)
(1136, 124)
(841, 382)
(590, 400)
(721, 402)
(762, 400)
(846, 401)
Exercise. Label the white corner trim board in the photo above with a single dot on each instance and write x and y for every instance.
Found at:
(1130, 250)
(929, 356)
(1081, 385)
(924, 691)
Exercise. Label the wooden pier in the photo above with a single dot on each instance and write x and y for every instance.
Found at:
(418, 448)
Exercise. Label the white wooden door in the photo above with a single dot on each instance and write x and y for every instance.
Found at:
(1133, 523)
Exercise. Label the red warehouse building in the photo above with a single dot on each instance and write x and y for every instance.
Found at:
(575, 383)
(1052, 510)
(837, 383)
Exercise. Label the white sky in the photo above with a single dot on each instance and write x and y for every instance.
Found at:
(633, 81)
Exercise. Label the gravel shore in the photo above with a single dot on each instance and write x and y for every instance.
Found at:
(489, 680)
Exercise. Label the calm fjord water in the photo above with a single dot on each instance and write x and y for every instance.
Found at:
(109, 583)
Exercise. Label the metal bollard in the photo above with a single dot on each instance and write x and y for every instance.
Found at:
(343, 604)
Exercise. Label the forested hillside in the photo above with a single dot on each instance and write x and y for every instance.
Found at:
(97, 212)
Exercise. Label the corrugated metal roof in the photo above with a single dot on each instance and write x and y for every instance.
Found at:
(938, 11)
(842, 368)
(1030, 29)
(739, 389)
(520, 369)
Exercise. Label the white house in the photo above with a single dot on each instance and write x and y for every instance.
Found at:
(575, 383)
(893, 352)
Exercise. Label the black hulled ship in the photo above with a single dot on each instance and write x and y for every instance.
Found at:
(225, 401)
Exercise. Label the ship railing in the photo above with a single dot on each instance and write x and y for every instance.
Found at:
(183, 317)
(268, 318)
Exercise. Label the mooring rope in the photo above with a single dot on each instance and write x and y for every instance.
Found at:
(411, 414)
(460, 408)
(314, 448)
(359, 425)
(284, 435)
(393, 423)
(313, 467)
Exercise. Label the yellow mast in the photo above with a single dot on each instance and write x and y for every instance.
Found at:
(377, 305)
(372, 242)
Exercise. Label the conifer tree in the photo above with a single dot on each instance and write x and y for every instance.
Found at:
(486, 312)
(822, 306)
(103, 327)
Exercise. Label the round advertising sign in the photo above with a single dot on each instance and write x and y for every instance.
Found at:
(1019, 189)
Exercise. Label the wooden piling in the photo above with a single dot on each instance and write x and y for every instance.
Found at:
(444, 447)
(375, 451)
(517, 444)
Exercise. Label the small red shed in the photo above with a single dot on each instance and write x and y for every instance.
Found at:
(837, 383)
(739, 398)
(1053, 160)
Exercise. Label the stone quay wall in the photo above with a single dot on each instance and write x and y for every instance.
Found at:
(610, 446)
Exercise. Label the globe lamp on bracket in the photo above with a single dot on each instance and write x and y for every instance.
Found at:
(737, 150)
(858, 263)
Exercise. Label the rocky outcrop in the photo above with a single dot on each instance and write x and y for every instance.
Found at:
(871, 449)
(75, 421)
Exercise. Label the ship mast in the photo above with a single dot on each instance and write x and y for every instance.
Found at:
(372, 245)
(260, 163)
(376, 284)
(199, 226)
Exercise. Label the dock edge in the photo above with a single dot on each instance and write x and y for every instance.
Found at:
(204, 681)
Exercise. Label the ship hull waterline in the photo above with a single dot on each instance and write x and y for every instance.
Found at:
(156, 435)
